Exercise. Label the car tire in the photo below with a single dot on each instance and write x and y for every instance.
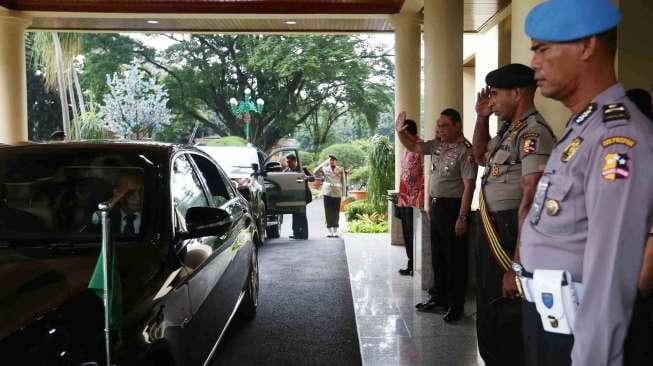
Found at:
(249, 304)
(272, 232)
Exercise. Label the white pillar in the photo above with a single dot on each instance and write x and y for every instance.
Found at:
(443, 78)
(407, 90)
(13, 83)
(520, 52)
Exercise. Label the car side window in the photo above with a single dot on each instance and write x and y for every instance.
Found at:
(214, 179)
(186, 187)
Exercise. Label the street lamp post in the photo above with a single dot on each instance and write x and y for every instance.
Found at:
(244, 108)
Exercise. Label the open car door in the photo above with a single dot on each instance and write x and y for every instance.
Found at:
(285, 192)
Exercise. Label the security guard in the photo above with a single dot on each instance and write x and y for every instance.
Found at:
(593, 206)
(451, 187)
(514, 160)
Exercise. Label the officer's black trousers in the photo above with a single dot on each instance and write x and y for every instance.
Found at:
(448, 252)
(332, 210)
(300, 225)
(638, 348)
(543, 348)
(498, 319)
(406, 217)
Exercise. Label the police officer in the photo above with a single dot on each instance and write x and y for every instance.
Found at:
(451, 187)
(593, 205)
(514, 160)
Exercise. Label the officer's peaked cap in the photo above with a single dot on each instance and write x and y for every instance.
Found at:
(511, 76)
(570, 20)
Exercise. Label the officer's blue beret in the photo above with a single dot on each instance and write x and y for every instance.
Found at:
(570, 20)
(511, 76)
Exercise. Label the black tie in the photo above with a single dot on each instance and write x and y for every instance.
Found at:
(129, 225)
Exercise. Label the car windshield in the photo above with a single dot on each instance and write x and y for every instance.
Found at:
(54, 196)
(237, 160)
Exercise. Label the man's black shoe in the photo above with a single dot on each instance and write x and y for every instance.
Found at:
(453, 315)
(434, 304)
(406, 272)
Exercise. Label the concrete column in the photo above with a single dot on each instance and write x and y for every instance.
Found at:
(13, 84)
(520, 52)
(443, 79)
(634, 59)
(407, 89)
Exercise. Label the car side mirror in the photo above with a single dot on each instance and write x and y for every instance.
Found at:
(207, 221)
(256, 172)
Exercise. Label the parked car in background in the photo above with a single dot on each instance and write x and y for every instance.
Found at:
(259, 177)
(185, 250)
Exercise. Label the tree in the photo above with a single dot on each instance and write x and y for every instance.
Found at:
(297, 77)
(135, 106)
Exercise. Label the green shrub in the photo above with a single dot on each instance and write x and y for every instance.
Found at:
(358, 177)
(369, 223)
(306, 158)
(382, 171)
(228, 141)
(359, 208)
(349, 156)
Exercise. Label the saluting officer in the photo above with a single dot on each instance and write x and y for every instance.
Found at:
(583, 240)
(451, 187)
(514, 160)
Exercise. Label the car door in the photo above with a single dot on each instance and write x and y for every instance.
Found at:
(204, 261)
(285, 191)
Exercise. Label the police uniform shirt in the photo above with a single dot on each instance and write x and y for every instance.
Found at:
(524, 149)
(450, 164)
(590, 216)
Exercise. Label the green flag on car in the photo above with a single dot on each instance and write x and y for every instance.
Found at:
(96, 285)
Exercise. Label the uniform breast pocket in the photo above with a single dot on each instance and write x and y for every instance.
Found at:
(558, 215)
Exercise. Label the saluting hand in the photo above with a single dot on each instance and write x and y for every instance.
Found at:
(400, 123)
(483, 107)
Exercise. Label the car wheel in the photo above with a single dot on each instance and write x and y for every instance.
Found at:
(272, 232)
(250, 302)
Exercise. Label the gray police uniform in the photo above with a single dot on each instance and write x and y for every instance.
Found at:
(591, 214)
(450, 164)
(522, 150)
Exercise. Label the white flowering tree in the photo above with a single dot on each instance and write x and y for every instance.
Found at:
(136, 106)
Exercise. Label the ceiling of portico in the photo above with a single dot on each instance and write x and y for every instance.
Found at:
(232, 15)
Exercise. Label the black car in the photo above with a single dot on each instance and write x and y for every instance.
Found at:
(184, 259)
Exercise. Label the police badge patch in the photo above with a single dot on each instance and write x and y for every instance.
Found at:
(616, 166)
(530, 145)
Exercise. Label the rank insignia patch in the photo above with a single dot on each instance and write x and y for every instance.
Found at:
(614, 112)
(571, 149)
(622, 140)
(616, 166)
(586, 113)
(530, 145)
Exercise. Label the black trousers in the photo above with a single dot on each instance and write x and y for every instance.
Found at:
(638, 348)
(543, 348)
(332, 210)
(300, 225)
(448, 252)
(406, 217)
(498, 319)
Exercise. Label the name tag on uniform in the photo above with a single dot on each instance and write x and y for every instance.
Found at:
(540, 196)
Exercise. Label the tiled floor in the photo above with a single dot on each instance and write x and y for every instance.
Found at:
(391, 332)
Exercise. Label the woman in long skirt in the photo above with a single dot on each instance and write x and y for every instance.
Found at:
(333, 189)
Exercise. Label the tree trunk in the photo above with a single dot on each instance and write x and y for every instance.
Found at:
(63, 97)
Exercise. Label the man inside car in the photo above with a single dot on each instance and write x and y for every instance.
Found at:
(127, 204)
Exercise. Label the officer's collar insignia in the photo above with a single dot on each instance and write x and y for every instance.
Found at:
(586, 113)
(622, 140)
(571, 149)
(614, 112)
(616, 166)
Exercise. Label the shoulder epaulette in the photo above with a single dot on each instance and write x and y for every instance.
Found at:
(583, 116)
(615, 112)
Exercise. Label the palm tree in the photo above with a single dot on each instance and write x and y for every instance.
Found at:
(55, 54)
